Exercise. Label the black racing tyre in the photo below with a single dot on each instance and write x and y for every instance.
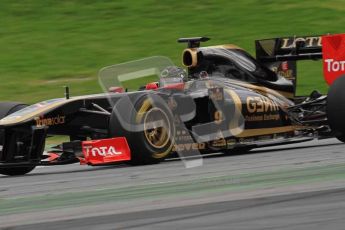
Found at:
(149, 129)
(6, 108)
(238, 150)
(336, 108)
(17, 171)
(341, 138)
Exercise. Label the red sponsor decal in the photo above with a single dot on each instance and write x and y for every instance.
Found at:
(333, 52)
(152, 86)
(53, 156)
(106, 151)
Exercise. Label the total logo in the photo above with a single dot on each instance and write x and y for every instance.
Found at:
(103, 151)
(97, 152)
(333, 53)
(334, 66)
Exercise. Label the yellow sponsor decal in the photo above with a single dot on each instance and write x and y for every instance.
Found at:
(261, 104)
(50, 121)
(189, 146)
(264, 117)
(219, 143)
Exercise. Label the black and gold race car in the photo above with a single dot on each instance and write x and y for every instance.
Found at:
(226, 101)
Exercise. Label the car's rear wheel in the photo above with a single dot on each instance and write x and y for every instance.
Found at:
(341, 138)
(336, 108)
(6, 108)
(151, 131)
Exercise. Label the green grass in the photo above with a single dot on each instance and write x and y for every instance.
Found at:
(47, 44)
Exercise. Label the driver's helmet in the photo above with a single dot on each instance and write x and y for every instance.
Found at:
(172, 75)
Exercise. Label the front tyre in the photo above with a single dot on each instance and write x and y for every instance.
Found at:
(6, 108)
(150, 132)
(16, 171)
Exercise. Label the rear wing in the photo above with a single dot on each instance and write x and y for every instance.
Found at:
(289, 49)
(280, 54)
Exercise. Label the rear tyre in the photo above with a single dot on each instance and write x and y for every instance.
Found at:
(151, 131)
(6, 108)
(336, 108)
(341, 138)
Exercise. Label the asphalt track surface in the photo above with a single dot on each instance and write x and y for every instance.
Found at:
(297, 186)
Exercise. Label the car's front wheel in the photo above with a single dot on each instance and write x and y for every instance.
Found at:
(150, 132)
(17, 171)
(6, 108)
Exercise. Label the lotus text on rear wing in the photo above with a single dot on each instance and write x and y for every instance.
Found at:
(289, 43)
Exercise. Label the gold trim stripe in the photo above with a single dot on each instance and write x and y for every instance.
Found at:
(266, 131)
(225, 46)
(45, 109)
(277, 93)
(237, 122)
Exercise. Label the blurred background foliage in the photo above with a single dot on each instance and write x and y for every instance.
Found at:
(46, 44)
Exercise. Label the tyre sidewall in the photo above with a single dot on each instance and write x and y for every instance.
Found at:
(142, 151)
(7, 108)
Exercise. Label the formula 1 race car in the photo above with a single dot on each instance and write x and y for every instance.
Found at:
(227, 101)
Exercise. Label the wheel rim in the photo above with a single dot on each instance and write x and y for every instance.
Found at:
(157, 128)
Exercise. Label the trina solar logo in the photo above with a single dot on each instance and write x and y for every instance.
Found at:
(333, 52)
(50, 121)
